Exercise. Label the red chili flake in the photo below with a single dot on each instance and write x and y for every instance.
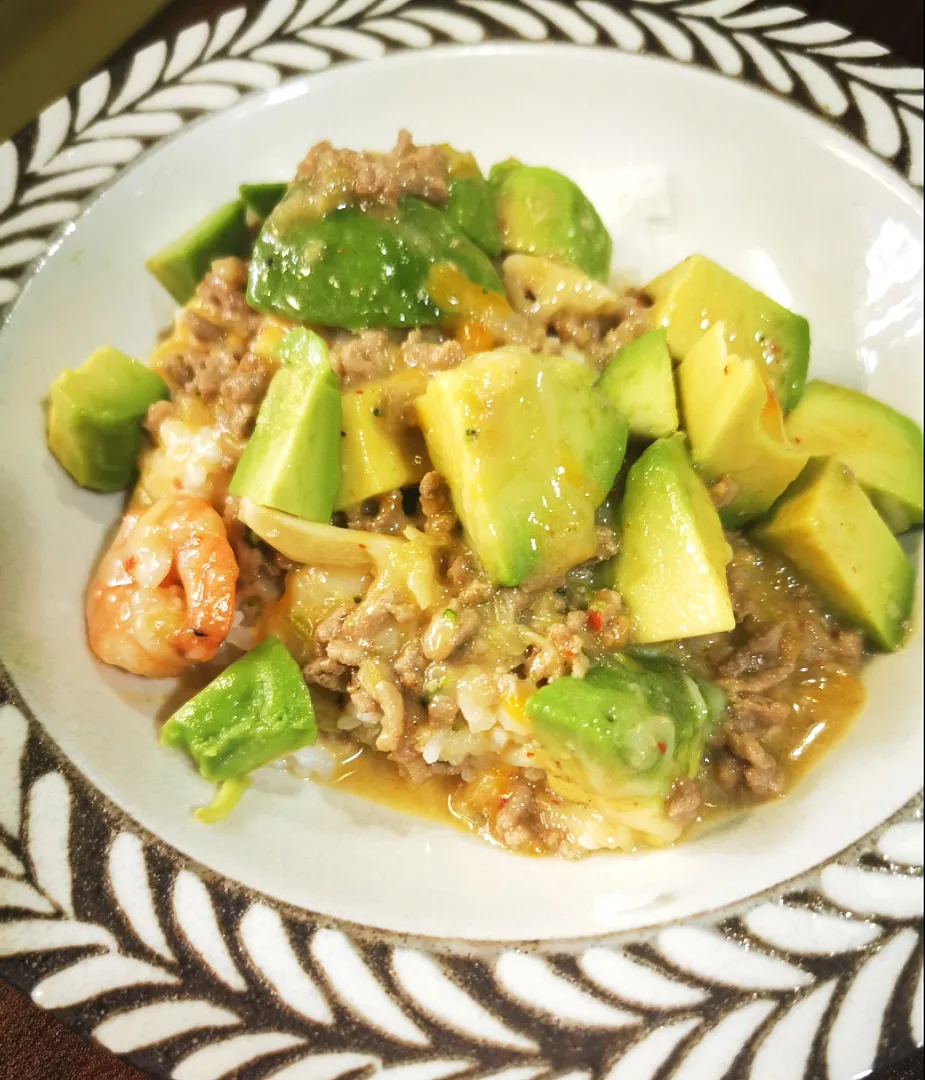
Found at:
(662, 747)
(130, 563)
(503, 801)
(595, 621)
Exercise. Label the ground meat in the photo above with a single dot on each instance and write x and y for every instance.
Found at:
(762, 774)
(200, 370)
(516, 823)
(418, 352)
(436, 505)
(243, 392)
(602, 336)
(405, 170)
(384, 514)
(390, 701)
(607, 545)
(563, 654)
(442, 710)
(201, 327)
(616, 625)
(346, 652)
(728, 772)
(764, 783)
(766, 660)
(844, 647)
(256, 561)
(222, 299)
(326, 672)
(157, 414)
(351, 635)
(634, 320)
(356, 359)
(330, 627)
(468, 581)
(766, 710)
(217, 366)
(579, 330)
(684, 802)
(723, 492)
(411, 665)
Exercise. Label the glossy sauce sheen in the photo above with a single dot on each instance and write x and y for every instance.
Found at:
(824, 699)
(823, 711)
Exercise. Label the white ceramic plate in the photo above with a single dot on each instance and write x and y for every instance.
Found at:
(314, 934)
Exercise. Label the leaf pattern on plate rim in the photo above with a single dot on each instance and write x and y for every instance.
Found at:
(81, 139)
(153, 955)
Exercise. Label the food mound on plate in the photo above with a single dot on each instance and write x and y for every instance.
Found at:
(422, 486)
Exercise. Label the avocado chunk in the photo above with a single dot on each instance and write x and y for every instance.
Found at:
(882, 447)
(95, 416)
(180, 266)
(379, 451)
(735, 428)
(256, 711)
(529, 449)
(831, 532)
(261, 199)
(697, 293)
(671, 568)
(640, 382)
(621, 736)
(542, 212)
(292, 460)
(471, 204)
(358, 268)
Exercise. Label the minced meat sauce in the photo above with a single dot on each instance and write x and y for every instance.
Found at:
(424, 712)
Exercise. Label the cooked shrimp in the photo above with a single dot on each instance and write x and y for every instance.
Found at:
(163, 596)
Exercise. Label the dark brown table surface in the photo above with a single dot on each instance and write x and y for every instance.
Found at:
(34, 1045)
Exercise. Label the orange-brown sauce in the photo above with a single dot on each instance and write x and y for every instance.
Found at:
(823, 712)
(467, 806)
(362, 771)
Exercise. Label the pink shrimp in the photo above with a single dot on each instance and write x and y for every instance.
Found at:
(163, 596)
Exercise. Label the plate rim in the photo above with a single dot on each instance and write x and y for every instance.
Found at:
(498, 1004)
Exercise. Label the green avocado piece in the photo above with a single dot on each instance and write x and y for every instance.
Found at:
(697, 293)
(95, 415)
(358, 268)
(256, 711)
(180, 266)
(471, 202)
(736, 428)
(544, 213)
(625, 732)
(292, 460)
(882, 447)
(640, 382)
(472, 207)
(261, 199)
(671, 567)
(529, 449)
(831, 532)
